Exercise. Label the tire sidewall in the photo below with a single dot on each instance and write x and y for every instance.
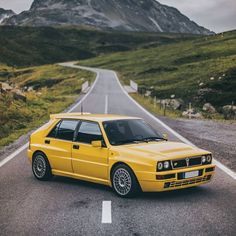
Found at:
(134, 190)
(48, 174)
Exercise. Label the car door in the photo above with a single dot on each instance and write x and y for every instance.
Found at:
(88, 161)
(59, 145)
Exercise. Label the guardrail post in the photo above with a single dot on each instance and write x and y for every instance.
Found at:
(164, 109)
(190, 110)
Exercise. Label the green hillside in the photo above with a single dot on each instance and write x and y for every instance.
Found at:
(27, 46)
(54, 88)
(197, 70)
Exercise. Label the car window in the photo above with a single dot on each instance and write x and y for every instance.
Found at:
(53, 132)
(88, 132)
(64, 130)
(128, 131)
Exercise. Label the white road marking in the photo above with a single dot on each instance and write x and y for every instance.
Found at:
(225, 169)
(106, 104)
(87, 94)
(14, 154)
(106, 212)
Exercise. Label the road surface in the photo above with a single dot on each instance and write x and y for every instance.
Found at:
(70, 207)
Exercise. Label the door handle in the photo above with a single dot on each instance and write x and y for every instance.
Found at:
(47, 141)
(76, 147)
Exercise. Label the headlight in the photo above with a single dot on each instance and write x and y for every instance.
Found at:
(166, 165)
(209, 158)
(204, 159)
(163, 165)
(160, 166)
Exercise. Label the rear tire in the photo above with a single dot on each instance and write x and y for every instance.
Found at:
(124, 182)
(41, 167)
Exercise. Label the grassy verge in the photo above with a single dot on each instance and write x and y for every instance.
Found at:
(55, 88)
(157, 109)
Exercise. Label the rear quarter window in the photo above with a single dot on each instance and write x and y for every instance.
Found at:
(64, 130)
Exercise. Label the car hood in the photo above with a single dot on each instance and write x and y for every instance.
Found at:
(161, 150)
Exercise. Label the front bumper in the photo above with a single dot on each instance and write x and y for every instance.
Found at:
(171, 180)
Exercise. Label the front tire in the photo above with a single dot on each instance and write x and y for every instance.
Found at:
(124, 181)
(41, 167)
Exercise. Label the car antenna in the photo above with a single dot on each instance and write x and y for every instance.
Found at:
(81, 108)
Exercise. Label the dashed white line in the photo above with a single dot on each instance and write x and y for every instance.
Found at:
(106, 104)
(106, 212)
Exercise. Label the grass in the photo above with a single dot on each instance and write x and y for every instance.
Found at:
(157, 109)
(196, 70)
(56, 88)
(30, 46)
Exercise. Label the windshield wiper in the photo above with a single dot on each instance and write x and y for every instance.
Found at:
(127, 141)
(149, 139)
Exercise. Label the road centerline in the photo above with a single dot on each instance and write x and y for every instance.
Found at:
(106, 212)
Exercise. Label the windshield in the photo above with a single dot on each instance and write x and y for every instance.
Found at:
(130, 131)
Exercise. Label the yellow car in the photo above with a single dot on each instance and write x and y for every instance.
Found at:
(122, 152)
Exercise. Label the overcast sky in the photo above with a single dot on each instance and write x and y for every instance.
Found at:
(217, 15)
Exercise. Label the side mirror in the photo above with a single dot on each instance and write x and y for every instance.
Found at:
(165, 136)
(97, 144)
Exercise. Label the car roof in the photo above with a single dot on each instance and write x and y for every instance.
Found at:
(91, 117)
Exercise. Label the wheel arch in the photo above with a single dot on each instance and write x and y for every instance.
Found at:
(122, 163)
(39, 151)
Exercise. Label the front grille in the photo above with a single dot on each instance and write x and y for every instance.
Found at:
(187, 162)
(187, 182)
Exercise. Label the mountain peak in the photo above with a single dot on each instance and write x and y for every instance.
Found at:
(4, 14)
(126, 15)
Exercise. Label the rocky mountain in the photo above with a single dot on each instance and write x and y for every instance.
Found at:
(4, 14)
(127, 15)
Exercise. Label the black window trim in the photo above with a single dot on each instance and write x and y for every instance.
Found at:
(104, 145)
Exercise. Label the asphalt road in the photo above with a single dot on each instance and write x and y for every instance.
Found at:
(70, 207)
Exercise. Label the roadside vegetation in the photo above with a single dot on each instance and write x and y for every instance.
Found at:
(185, 68)
(30, 46)
(47, 89)
(198, 71)
(38, 91)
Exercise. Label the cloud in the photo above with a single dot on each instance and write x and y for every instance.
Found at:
(217, 15)
(16, 5)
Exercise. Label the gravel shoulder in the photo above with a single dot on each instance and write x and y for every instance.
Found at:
(217, 137)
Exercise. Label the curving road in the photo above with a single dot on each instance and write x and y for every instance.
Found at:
(70, 207)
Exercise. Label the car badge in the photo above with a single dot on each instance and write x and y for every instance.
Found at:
(187, 161)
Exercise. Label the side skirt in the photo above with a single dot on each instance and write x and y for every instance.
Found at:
(80, 177)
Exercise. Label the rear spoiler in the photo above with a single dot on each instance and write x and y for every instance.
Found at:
(65, 115)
